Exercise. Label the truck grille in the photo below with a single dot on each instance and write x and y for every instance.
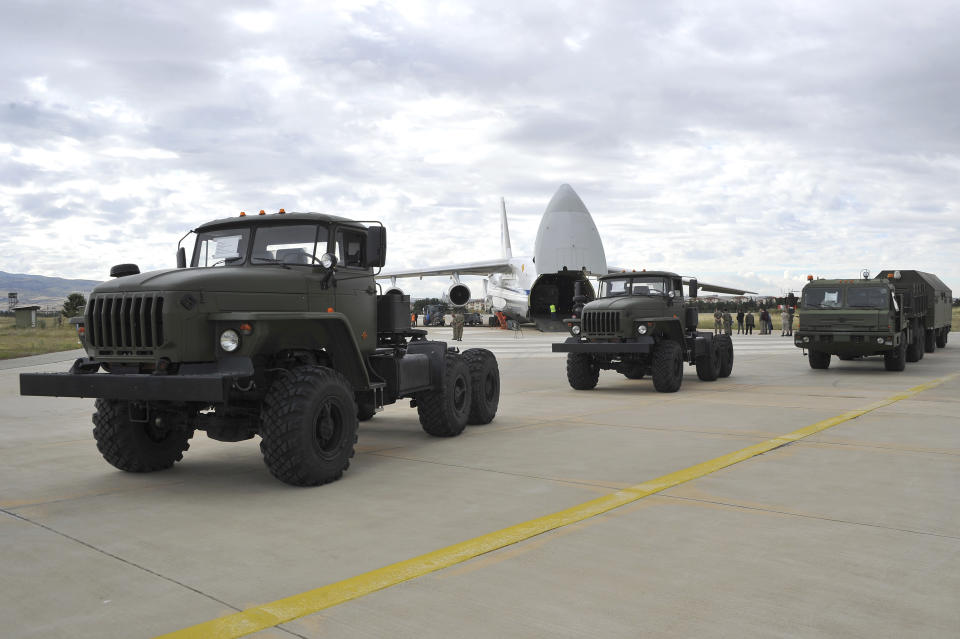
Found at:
(125, 321)
(601, 323)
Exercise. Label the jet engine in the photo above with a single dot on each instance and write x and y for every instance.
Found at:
(458, 294)
(393, 290)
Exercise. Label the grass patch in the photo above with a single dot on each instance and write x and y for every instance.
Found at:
(21, 342)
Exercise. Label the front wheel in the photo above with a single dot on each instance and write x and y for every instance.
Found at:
(582, 371)
(819, 360)
(134, 446)
(308, 424)
(896, 360)
(942, 337)
(667, 367)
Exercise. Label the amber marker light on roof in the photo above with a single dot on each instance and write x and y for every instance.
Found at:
(262, 212)
(243, 214)
(809, 278)
(281, 211)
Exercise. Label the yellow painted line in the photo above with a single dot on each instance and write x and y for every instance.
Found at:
(283, 610)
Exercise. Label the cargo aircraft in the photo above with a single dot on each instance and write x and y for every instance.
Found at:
(568, 250)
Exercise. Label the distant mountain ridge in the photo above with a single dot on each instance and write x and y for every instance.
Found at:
(40, 289)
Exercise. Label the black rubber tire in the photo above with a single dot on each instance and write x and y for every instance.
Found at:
(308, 422)
(915, 348)
(366, 408)
(133, 446)
(896, 360)
(819, 360)
(634, 372)
(582, 372)
(667, 367)
(484, 385)
(929, 340)
(726, 355)
(942, 337)
(444, 411)
(708, 365)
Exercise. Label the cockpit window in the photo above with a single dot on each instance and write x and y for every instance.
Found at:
(289, 244)
(634, 286)
(821, 297)
(867, 297)
(220, 247)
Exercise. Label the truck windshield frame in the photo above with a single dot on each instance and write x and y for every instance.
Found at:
(644, 286)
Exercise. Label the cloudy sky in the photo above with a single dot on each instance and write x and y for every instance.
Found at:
(747, 143)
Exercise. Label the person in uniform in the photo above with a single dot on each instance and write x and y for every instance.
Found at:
(740, 328)
(786, 320)
(748, 324)
(763, 321)
(727, 323)
(458, 325)
(717, 321)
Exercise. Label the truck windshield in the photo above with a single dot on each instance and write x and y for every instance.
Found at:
(633, 286)
(867, 297)
(289, 244)
(821, 297)
(220, 247)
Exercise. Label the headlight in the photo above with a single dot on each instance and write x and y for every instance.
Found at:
(806, 339)
(642, 329)
(229, 340)
(575, 329)
(879, 340)
(328, 260)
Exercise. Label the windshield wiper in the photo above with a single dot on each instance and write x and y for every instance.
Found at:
(227, 260)
(270, 260)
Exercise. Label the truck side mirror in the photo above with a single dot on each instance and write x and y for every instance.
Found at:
(181, 257)
(693, 288)
(376, 253)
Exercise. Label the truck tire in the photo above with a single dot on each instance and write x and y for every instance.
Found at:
(444, 411)
(667, 367)
(819, 359)
(634, 372)
(582, 372)
(915, 348)
(308, 425)
(942, 337)
(708, 364)
(136, 447)
(726, 355)
(929, 340)
(896, 360)
(484, 385)
(366, 408)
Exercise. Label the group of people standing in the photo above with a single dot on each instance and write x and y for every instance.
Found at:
(723, 322)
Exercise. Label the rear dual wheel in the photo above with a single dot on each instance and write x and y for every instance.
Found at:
(444, 411)
(942, 337)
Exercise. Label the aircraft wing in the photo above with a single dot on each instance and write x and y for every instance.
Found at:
(473, 268)
(713, 288)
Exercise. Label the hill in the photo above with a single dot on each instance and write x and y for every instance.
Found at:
(41, 290)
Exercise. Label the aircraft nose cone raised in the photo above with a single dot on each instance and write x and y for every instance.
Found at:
(566, 200)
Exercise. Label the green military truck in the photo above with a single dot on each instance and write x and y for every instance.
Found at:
(274, 329)
(897, 314)
(640, 325)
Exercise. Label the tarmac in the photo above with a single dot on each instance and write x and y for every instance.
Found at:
(572, 514)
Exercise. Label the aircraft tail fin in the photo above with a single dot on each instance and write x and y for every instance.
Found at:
(505, 247)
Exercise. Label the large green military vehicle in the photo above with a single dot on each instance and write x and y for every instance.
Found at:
(897, 314)
(275, 329)
(640, 325)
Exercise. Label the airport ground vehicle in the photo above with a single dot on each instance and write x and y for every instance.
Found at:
(897, 314)
(640, 325)
(276, 330)
(433, 315)
(472, 319)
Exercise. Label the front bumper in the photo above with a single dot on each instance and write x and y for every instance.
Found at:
(847, 343)
(640, 345)
(209, 382)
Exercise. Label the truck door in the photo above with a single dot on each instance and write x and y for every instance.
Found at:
(355, 293)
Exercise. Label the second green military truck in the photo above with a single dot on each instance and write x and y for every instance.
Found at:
(640, 325)
(276, 330)
(899, 314)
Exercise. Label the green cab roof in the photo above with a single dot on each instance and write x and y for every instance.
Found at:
(252, 219)
(616, 276)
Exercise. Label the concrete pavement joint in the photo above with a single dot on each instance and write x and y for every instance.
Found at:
(807, 516)
(283, 610)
